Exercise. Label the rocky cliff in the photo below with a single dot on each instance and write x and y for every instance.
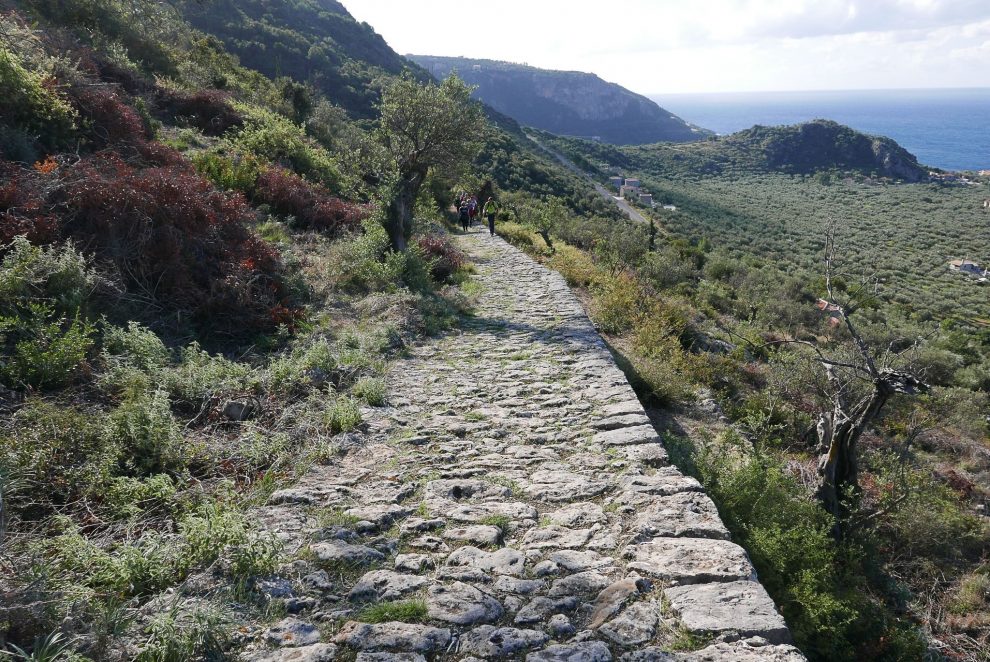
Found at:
(566, 102)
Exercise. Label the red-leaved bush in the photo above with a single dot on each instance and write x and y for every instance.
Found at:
(444, 257)
(310, 204)
(208, 110)
(106, 118)
(22, 206)
(176, 242)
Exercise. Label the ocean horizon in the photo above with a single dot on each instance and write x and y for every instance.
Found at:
(945, 128)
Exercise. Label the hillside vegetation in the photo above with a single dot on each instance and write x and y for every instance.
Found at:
(725, 313)
(565, 102)
(199, 300)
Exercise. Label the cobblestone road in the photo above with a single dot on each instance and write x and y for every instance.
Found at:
(513, 501)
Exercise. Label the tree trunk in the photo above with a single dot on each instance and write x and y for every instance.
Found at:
(398, 219)
(838, 433)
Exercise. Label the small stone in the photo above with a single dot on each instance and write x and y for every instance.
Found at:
(274, 588)
(394, 636)
(539, 608)
(634, 626)
(610, 600)
(419, 525)
(299, 605)
(292, 632)
(506, 584)
(560, 626)
(665, 481)
(390, 657)
(489, 641)
(342, 552)
(581, 583)
(579, 514)
(505, 561)
(747, 650)
(385, 586)
(479, 534)
(563, 486)
(430, 543)
(312, 653)
(621, 421)
(640, 434)
(578, 561)
(550, 537)
(318, 581)
(586, 651)
(378, 516)
(461, 604)
(545, 569)
(412, 562)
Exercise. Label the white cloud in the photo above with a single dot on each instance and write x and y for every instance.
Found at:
(707, 45)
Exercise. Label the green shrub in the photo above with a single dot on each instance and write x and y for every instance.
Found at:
(126, 496)
(342, 415)
(46, 351)
(370, 389)
(193, 632)
(617, 304)
(148, 437)
(57, 275)
(27, 101)
(230, 173)
(274, 138)
(200, 375)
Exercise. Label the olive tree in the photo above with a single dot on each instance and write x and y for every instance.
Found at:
(424, 127)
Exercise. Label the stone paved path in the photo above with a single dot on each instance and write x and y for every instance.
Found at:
(513, 501)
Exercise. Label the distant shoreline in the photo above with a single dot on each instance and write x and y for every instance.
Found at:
(947, 128)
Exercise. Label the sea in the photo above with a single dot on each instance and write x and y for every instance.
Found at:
(944, 128)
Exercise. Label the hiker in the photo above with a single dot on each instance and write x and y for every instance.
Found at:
(464, 214)
(472, 208)
(491, 209)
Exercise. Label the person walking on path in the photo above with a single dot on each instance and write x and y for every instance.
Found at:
(491, 209)
(464, 214)
(472, 209)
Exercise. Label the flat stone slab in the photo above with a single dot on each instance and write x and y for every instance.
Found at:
(666, 481)
(556, 537)
(393, 637)
(311, 653)
(635, 626)
(683, 514)
(479, 534)
(461, 604)
(748, 650)
(585, 651)
(390, 657)
(338, 551)
(650, 455)
(621, 421)
(563, 486)
(639, 434)
(505, 561)
(292, 632)
(579, 514)
(740, 607)
(490, 641)
(385, 585)
(691, 560)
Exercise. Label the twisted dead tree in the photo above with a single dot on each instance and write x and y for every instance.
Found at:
(858, 388)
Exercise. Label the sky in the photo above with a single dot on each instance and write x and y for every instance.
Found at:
(696, 46)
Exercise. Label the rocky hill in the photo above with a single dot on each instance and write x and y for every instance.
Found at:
(825, 145)
(568, 103)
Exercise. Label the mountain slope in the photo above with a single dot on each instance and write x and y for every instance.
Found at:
(315, 41)
(566, 102)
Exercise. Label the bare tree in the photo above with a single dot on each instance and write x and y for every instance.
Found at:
(858, 387)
